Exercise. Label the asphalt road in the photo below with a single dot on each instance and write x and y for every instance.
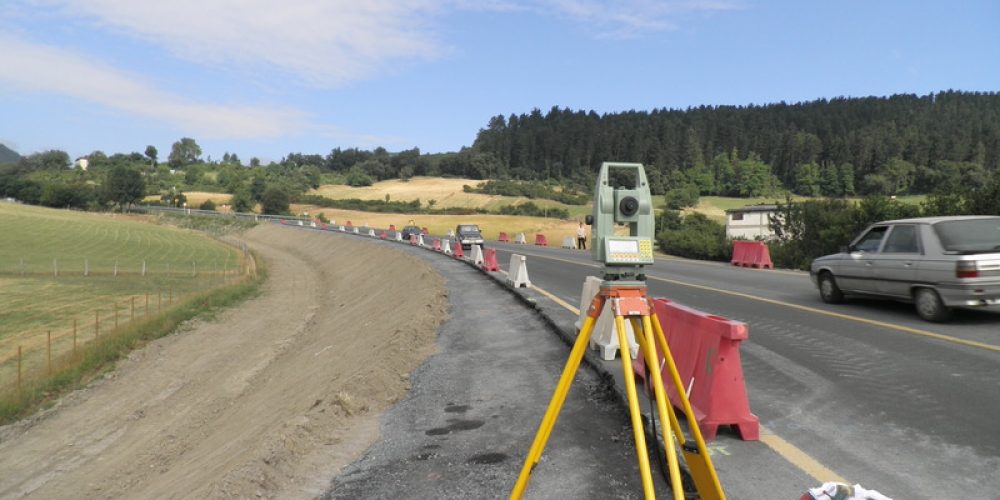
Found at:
(858, 387)
(863, 392)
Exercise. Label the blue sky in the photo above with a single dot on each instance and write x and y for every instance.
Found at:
(264, 78)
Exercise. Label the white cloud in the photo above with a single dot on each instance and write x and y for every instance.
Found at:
(632, 18)
(323, 42)
(30, 67)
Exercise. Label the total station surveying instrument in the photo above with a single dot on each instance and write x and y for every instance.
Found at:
(621, 198)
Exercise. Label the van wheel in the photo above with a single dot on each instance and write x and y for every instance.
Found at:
(929, 305)
(828, 289)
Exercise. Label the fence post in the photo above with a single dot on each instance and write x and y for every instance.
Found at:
(116, 268)
(144, 267)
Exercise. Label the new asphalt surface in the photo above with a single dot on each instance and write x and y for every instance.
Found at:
(864, 392)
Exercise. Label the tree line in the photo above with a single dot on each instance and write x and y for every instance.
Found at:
(832, 147)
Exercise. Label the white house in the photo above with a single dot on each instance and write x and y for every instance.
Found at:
(751, 222)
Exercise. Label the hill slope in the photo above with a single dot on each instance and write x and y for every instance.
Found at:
(8, 155)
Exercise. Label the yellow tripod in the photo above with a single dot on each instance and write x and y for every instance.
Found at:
(630, 301)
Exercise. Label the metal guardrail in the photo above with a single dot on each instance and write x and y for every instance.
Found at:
(150, 209)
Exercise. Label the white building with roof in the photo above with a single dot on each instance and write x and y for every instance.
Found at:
(752, 222)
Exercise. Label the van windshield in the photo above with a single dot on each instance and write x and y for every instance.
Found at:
(970, 235)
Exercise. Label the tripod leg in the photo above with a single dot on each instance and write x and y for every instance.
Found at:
(558, 398)
(700, 464)
(633, 406)
(657, 367)
(652, 360)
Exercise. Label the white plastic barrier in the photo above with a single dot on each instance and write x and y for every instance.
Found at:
(371, 232)
(420, 240)
(312, 224)
(356, 230)
(477, 255)
(446, 246)
(399, 236)
(300, 223)
(569, 242)
(451, 233)
(519, 239)
(604, 336)
(517, 274)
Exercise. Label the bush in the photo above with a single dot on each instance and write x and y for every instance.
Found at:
(207, 205)
(681, 197)
(274, 201)
(697, 238)
(357, 177)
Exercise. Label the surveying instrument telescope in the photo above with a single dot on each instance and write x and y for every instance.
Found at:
(622, 198)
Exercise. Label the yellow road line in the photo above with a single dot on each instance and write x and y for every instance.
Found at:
(557, 300)
(786, 450)
(799, 458)
(873, 322)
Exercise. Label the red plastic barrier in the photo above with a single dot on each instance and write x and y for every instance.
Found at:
(382, 235)
(413, 239)
(751, 254)
(504, 238)
(706, 351)
(540, 240)
(424, 230)
(284, 222)
(322, 225)
(348, 223)
(490, 260)
(392, 227)
(437, 245)
(457, 250)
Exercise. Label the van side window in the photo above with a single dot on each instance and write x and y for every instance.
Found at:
(902, 239)
(870, 241)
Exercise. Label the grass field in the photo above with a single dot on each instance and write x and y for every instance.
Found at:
(445, 192)
(58, 266)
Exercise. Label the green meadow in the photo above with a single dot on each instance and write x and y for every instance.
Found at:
(60, 269)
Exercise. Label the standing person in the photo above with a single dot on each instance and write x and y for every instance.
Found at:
(581, 237)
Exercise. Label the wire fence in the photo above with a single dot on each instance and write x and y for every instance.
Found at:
(32, 354)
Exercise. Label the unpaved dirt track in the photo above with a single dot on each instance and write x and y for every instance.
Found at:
(268, 400)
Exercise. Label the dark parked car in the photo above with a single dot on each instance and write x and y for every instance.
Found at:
(935, 262)
(469, 235)
(409, 230)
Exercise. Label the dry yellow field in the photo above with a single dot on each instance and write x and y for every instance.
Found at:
(553, 229)
(445, 192)
(196, 198)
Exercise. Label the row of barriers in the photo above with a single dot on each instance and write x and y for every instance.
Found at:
(480, 257)
(705, 347)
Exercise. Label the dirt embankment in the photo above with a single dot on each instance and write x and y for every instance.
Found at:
(270, 400)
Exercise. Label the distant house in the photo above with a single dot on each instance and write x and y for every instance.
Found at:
(751, 222)
(81, 163)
